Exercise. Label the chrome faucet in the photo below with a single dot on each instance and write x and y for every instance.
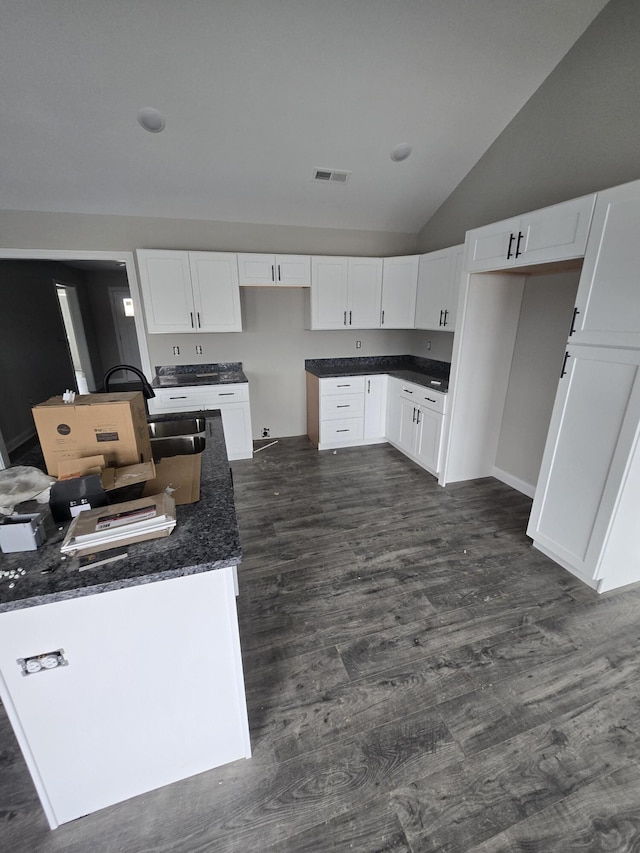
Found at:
(147, 390)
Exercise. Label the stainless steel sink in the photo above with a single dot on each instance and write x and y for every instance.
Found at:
(177, 438)
(184, 426)
(177, 445)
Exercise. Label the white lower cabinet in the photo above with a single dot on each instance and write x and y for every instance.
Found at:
(375, 408)
(233, 402)
(415, 421)
(585, 510)
(152, 691)
(351, 411)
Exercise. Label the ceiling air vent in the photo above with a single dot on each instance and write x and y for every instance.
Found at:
(331, 176)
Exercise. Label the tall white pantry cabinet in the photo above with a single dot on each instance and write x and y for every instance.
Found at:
(586, 510)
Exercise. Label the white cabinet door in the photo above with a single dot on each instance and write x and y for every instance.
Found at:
(554, 233)
(293, 270)
(216, 296)
(428, 438)
(165, 281)
(394, 387)
(492, 247)
(364, 293)
(236, 423)
(257, 270)
(608, 300)
(375, 407)
(399, 285)
(594, 427)
(329, 292)
(408, 431)
(437, 295)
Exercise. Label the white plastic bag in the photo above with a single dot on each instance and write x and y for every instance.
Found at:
(22, 483)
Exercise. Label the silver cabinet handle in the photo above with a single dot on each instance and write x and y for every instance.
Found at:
(345, 318)
(417, 416)
(184, 397)
(191, 315)
(273, 273)
(368, 386)
(199, 323)
(343, 406)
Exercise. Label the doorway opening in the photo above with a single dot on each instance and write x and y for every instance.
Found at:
(76, 338)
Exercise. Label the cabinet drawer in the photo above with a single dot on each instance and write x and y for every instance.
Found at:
(434, 400)
(342, 406)
(350, 429)
(422, 396)
(209, 397)
(342, 385)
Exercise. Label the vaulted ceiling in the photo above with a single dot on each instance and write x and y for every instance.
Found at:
(257, 94)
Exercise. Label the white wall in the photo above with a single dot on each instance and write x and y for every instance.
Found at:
(543, 326)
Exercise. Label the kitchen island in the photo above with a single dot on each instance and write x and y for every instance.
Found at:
(147, 687)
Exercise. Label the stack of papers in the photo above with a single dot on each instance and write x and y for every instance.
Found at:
(120, 524)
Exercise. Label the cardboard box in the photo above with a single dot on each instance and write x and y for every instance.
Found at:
(178, 476)
(110, 425)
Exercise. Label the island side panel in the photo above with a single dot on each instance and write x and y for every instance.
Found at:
(153, 691)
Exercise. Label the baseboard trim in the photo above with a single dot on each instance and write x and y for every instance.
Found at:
(515, 482)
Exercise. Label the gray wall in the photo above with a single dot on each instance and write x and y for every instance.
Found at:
(545, 319)
(34, 355)
(36, 230)
(578, 133)
(98, 284)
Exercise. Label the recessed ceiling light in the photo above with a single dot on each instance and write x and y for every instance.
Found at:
(401, 152)
(151, 120)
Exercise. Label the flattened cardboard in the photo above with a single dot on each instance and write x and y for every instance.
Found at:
(179, 476)
(111, 425)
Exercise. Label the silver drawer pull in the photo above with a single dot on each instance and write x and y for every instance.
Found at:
(407, 391)
(345, 385)
(430, 399)
(344, 406)
(184, 397)
(343, 430)
(227, 394)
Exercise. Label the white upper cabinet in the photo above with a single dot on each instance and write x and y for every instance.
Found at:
(345, 293)
(189, 291)
(608, 301)
(438, 284)
(216, 297)
(399, 286)
(555, 233)
(255, 270)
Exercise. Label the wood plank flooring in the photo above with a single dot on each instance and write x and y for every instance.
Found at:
(418, 679)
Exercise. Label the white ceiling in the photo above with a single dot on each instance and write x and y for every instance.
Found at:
(259, 93)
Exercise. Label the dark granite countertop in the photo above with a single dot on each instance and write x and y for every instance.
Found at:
(222, 373)
(205, 538)
(422, 371)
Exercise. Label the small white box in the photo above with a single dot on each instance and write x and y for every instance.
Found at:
(21, 532)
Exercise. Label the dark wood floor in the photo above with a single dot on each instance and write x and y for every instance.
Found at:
(418, 679)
